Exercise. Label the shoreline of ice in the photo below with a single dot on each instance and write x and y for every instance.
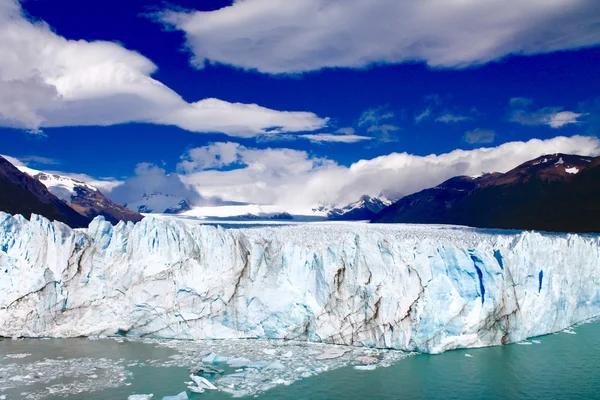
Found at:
(408, 287)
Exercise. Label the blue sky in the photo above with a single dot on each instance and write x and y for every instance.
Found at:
(418, 98)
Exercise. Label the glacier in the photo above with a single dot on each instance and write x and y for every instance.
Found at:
(406, 287)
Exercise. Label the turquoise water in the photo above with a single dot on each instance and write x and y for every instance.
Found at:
(562, 366)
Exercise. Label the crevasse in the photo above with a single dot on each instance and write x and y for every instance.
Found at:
(405, 287)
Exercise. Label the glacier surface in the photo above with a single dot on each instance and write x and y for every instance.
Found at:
(406, 287)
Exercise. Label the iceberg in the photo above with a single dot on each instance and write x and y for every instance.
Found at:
(406, 287)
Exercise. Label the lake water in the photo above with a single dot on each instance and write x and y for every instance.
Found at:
(558, 366)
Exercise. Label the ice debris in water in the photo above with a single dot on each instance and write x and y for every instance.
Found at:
(249, 367)
(17, 356)
(140, 397)
(39, 379)
(180, 396)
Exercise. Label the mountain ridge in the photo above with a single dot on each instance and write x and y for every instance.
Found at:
(556, 192)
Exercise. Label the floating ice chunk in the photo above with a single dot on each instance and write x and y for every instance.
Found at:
(572, 170)
(525, 343)
(570, 331)
(270, 352)
(205, 369)
(214, 358)
(331, 353)
(140, 397)
(368, 360)
(180, 396)
(196, 389)
(275, 366)
(468, 355)
(365, 367)
(536, 341)
(203, 383)
(238, 362)
(15, 356)
(289, 354)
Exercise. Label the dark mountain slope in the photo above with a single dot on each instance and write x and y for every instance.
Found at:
(552, 193)
(22, 194)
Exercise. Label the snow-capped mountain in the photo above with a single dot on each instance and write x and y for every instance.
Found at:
(82, 197)
(365, 209)
(22, 194)
(408, 287)
(160, 203)
(555, 192)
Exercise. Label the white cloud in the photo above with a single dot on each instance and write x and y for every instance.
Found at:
(331, 137)
(262, 176)
(292, 178)
(214, 155)
(151, 179)
(48, 81)
(294, 36)
(563, 118)
(554, 117)
(14, 161)
(479, 135)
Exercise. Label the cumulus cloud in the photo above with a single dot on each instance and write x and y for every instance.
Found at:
(479, 135)
(151, 179)
(295, 36)
(298, 180)
(554, 117)
(48, 81)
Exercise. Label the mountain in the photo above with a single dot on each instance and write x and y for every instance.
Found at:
(160, 203)
(23, 194)
(413, 288)
(366, 208)
(82, 197)
(557, 192)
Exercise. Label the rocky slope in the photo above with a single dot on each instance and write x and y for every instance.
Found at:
(365, 209)
(86, 199)
(22, 194)
(556, 192)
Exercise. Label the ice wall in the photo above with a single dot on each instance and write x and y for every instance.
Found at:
(406, 287)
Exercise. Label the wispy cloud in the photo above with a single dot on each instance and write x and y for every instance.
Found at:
(478, 136)
(336, 138)
(425, 114)
(450, 118)
(379, 123)
(522, 113)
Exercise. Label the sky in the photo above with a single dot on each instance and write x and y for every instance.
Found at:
(294, 102)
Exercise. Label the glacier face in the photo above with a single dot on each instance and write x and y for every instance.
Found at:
(408, 287)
